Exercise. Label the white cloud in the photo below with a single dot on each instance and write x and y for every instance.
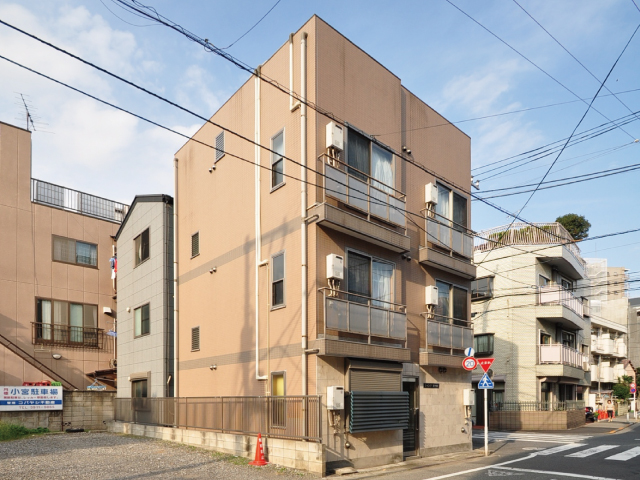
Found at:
(193, 85)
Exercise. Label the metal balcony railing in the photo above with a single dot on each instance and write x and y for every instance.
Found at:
(559, 354)
(67, 335)
(446, 332)
(353, 313)
(555, 294)
(441, 232)
(363, 192)
(78, 202)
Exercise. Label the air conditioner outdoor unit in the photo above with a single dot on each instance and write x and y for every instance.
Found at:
(431, 193)
(431, 295)
(335, 267)
(335, 136)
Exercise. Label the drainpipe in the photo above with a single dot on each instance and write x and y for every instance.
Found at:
(303, 205)
(292, 105)
(258, 232)
(175, 278)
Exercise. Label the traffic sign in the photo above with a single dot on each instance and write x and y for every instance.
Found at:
(469, 352)
(632, 387)
(485, 382)
(469, 363)
(485, 363)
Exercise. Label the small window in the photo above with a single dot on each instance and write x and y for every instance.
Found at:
(483, 344)
(545, 338)
(195, 339)
(220, 146)
(543, 281)
(277, 160)
(195, 244)
(141, 317)
(277, 280)
(139, 389)
(482, 288)
(142, 247)
(72, 251)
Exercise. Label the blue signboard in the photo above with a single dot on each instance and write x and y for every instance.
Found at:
(485, 382)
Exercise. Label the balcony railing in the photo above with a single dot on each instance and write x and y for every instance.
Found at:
(352, 313)
(559, 354)
(363, 192)
(67, 335)
(449, 333)
(555, 294)
(77, 202)
(441, 233)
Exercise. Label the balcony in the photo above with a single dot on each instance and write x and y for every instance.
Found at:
(606, 345)
(358, 205)
(620, 348)
(559, 354)
(562, 251)
(560, 305)
(446, 340)
(67, 336)
(358, 326)
(607, 375)
(618, 371)
(450, 250)
(77, 202)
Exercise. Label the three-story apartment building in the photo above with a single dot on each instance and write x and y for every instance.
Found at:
(336, 254)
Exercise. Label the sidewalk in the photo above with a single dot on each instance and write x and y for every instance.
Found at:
(618, 423)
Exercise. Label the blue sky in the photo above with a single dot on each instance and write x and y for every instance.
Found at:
(441, 55)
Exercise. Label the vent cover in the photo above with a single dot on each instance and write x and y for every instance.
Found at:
(220, 146)
(195, 339)
(195, 244)
(378, 411)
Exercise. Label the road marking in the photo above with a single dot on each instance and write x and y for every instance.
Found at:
(561, 448)
(624, 456)
(533, 437)
(479, 469)
(501, 473)
(560, 474)
(591, 451)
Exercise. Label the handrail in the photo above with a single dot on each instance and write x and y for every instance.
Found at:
(67, 335)
(559, 354)
(447, 332)
(445, 234)
(557, 294)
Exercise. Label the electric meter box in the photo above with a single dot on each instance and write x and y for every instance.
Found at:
(335, 398)
(469, 397)
(431, 193)
(335, 267)
(335, 136)
(431, 295)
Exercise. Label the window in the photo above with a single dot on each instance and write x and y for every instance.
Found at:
(369, 278)
(452, 304)
(277, 160)
(545, 338)
(542, 281)
(277, 280)
(141, 319)
(66, 323)
(139, 388)
(368, 159)
(483, 344)
(568, 339)
(142, 247)
(451, 208)
(195, 244)
(566, 284)
(278, 405)
(72, 251)
(482, 288)
(220, 146)
(195, 339)
(545, 392)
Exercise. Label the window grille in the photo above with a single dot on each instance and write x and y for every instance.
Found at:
(195, 244)
(195, 339)
(220, 146)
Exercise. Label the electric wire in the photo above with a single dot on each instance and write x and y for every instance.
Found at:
(254, 26)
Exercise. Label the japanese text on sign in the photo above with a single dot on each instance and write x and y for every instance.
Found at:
(30, 398)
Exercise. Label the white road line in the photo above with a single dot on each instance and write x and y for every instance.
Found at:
(624, 456)
(561, 448)
(560, 474)
(449, 475)
(591, 451)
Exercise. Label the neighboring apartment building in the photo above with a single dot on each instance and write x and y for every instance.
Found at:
(288, 288)
(633, 324)
(145, 298)
(56, 292)
(527, 315)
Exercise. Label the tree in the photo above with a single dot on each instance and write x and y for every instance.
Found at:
(576, 225)
(621, 391)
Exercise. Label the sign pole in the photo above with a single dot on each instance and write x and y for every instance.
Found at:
(486, 425)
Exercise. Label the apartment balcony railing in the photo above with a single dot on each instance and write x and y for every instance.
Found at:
(618, 371)
(606, 374)
(77, 202)
(67, 335)
(353, 313)
(449, 333)
(363, 192)
(442, 233)
(620, 348)
(528, 234)
(555, 294)
(606, 345)
(559, 354)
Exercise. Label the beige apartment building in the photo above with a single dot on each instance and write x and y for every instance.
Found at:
(289, 287)
(56, 292)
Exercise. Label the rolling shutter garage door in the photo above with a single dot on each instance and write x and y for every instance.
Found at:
(376, 399)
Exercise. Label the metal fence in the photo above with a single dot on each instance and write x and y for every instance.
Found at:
(67, 335)
(537, 406)
(519, 416)
(291, 417)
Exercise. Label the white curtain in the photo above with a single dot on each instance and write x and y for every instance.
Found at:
(45, 305)
(75, 321)
(382, 169)
(382, 274)
(60, 317)
(443, 208)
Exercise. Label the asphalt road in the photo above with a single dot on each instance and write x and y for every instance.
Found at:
(586, 454)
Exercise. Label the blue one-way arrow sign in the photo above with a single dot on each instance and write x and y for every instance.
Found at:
(485, 382)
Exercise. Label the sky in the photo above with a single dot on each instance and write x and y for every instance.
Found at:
(452, 63)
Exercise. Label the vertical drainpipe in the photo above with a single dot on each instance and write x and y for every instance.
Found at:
(175, 278)
(303, 207)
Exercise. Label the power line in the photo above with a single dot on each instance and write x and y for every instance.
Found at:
(254, 26)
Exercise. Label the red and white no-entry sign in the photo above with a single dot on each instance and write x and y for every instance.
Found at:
(469, 363)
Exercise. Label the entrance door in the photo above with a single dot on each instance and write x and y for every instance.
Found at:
(410, 435)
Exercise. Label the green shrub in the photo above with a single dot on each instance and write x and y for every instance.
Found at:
(11, 431)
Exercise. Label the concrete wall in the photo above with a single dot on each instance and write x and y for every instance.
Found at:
(150, 282)
(536, 420)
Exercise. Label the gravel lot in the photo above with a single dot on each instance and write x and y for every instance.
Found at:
(122, 457)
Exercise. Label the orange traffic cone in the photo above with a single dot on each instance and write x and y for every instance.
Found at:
(259, 460)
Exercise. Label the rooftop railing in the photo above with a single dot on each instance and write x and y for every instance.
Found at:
(67, 335)
(363, 192)
(555, 294)
(71, 200)
(559, 354)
